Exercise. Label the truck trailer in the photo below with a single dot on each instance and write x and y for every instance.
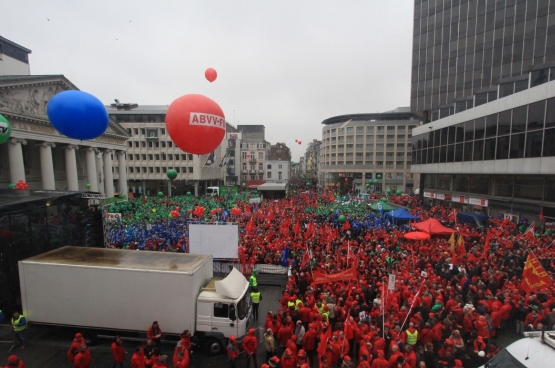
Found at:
(121, 292)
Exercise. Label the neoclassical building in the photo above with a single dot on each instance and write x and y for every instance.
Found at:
(39, 155)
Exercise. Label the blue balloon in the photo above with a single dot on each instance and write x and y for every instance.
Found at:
(78, 115)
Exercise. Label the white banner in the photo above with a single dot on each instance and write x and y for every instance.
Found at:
(428, 195)
(478, 201)
(113, 217)
(391, 284)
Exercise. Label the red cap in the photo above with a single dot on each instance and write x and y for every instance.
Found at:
(302, 352)
(264, 366)
(13, 359)
(251, 331)
(347, 358)
(458, 363)
(232, 338)
(274, 359)
(288, 351)
(380, 352)
(78, 335)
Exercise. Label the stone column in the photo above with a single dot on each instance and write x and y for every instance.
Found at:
(100, 171)
(92, 179)
(108, 175)
(71, 168)
(196, 188)
(15, 153)
(122, 164)
(47, 166)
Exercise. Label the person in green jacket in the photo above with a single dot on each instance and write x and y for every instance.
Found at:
(253, 282)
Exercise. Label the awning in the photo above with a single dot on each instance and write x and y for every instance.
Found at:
(272, 186)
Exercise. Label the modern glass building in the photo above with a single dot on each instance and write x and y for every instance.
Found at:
(357, 148)
(489, 139)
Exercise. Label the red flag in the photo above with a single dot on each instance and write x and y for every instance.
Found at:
(542, 217)
(460, 246)
(534, 276)
(346, 225)
(454, 260)
(486, 246)
(529, 232)
(324, 342)
(306, 259)
(297, 227)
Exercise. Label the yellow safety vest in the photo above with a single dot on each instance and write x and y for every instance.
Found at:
(412, 337)
(254, 282)
(321, 309)
(298, 304)
(16, 322)
(290, 304)
(255, 297)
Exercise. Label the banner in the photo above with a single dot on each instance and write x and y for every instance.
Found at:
(322, 278)
(534, 276)
(113, 217)
(391, 284)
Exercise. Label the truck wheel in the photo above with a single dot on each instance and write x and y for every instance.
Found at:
(90, 337)
(213, 347)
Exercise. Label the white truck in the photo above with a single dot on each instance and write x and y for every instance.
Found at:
(121, 292)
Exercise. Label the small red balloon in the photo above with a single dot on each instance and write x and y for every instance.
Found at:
(296, 140)
(196, 124)
(300, 142)
(346, 180)
(211, 74)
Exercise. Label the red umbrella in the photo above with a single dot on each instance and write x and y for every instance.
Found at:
(417, 235)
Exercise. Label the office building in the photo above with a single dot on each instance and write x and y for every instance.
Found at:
(357, 148)
(278, 163)
(312, 159)
(488, 143)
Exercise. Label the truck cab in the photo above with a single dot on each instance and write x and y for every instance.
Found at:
(223, 309)
(213, 191)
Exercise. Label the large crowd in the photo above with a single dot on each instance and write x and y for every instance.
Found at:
(448, 304)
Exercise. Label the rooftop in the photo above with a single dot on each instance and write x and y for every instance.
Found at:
(123, 259)
(11, 43)
(400, 113)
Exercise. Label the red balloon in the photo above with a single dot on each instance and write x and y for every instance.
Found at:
(300, 142)
(296, 140)
(211, 74)
(346, 180)
(196, 124)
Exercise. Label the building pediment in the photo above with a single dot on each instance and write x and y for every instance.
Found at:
(25, 98)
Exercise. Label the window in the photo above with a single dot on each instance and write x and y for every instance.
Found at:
(176, 169)
(534, 143)
(144, 169)
(137, 157)
(170, 144)
(163, 130)
(130, 157)
(221, 310)
(261, 167)
(143, 131)
(158, 170)
(143, 157)
(183, 157)
(252, 145)
(244, 145)
(261, 145)
(269, 174)
(170, 157)
(157, 157)
(280, 166)
(261, 155)
(150, 157)
(150, 144)
(528, 187)
(130, 144)
(244, 155)
(131, 170)
(279, 175)
(163, 144)
(156, 144)
(190, 170)
(136, 131)
(244, 167)
(269, 167)
(163, 157)
(536, 112)
(519, 119)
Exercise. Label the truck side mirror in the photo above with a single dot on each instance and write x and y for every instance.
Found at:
(232, 312)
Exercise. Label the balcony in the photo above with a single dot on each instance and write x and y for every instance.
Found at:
(244, 171)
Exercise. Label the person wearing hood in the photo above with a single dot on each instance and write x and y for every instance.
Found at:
(118, 352)
(15, 362)
(288, 359)
(250, 343)
(74, 347)
(162, 362)
(269, 344)
(82, 358)
(138, 358)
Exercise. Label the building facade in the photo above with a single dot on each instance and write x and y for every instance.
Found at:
(151, 153)
(357, 148)
(253, 154)
(312, 159)
(468, 53)
(488, 145)
(278, 163)
(14, 58)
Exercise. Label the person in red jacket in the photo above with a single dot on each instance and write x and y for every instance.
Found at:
(82, 358)
(291, 344)
(138, 358)
(183, 360)
(74, 347)
(118, 352)
(284, 334)
(380, 362)
(394, 353)
(186, 340)
(288, 359)
(410, 356)
(309, 343)
(302, 359)
(15, 362)
(250, 343)
(162, 362)
(155, 333)
(363, 361)
(232, 351)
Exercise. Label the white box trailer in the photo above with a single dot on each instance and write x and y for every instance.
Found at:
(125, 291)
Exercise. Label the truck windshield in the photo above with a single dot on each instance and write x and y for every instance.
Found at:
(243, 306)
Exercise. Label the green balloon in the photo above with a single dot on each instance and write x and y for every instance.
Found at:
(341, 219)
(172, 174)
(160, 195)
(5, 129)
(88, 186)
(188, 194)
(383, 199)
(307, 184)
(375, 181)
(367, 185)
(399, 192)
(170, 216)
(293, 164)
(11, 186)
(388, 191)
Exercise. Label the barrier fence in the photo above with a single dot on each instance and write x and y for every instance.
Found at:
(223, 267)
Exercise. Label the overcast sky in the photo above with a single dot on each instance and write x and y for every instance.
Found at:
(285, 64)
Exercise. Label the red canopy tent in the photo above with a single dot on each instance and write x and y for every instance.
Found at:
(433, 227)
(417, 235)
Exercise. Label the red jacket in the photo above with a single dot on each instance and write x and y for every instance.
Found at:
(118, 353)
(284, 334)
(380, 363)
(151, 334)
(185, 362)
(309, 339)
(411, 359)
(250, 343)
(138, 360)
(75, 345)
(288, 362)
(437, 332)
(82, 359)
